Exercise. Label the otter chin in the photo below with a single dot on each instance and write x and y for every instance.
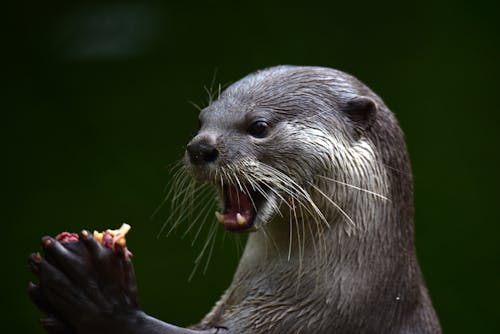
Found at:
(314, 163)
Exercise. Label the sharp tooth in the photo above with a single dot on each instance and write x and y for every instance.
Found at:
(219, 216)
(240, 219)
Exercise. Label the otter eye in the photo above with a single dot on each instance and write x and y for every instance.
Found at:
(258, 129)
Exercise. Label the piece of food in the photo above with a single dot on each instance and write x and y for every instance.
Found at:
(108, 238)
(66, 237)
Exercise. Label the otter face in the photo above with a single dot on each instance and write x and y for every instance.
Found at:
(232, 150)
(263, 143)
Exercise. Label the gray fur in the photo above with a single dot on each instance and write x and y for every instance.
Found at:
(341, 259)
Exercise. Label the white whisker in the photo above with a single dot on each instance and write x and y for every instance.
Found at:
(349, 220)
(357, 188)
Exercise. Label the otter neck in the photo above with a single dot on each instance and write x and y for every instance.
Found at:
(300, 247)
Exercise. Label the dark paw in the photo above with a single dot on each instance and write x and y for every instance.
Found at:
(81, 284)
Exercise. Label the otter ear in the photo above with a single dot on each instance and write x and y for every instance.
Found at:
(362, 111)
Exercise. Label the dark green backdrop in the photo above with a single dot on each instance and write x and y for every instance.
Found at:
(95, 107)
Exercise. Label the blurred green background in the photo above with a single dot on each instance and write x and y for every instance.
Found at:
(96, 107)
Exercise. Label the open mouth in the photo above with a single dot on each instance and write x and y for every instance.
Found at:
(240, 208)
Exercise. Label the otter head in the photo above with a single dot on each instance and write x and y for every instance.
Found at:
(274, 142)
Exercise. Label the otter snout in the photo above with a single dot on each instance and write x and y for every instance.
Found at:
(202, 157)
(201, 153)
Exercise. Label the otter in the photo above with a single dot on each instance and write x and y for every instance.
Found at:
(315, 166)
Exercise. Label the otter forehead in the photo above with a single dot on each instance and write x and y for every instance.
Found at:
(280, 92)
(230, 112)
(282, 84)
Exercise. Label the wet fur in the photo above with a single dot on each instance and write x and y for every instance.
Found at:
(341, 257)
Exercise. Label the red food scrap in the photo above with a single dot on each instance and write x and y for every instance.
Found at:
(67, 237)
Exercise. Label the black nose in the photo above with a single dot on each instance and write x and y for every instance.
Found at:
(202, 153)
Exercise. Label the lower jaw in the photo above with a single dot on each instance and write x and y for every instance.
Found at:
(238, 229)
(237, 226)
